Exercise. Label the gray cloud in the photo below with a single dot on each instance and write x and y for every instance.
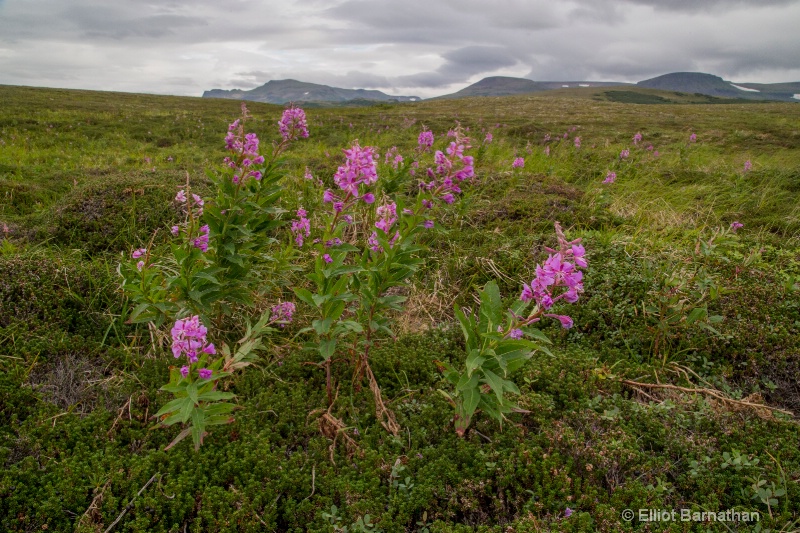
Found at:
(410, 46)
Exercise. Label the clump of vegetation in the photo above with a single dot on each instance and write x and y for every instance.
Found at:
(299, 311)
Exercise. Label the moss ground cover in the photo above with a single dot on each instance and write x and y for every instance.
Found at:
(656, 398)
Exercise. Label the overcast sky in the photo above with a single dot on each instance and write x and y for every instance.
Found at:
(407, 47)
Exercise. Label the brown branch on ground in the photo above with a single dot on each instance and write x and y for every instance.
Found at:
(383, 413)
(758, 407)
(333, 428)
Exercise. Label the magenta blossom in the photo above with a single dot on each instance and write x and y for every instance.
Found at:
(205, 373)
(624, 154)
(735, 225)
(301, 227)
(577, 142)
(748, 166)
(387, 216)
(515, 334)
(425, 140)
(282, 313)
(488, 139)
(293, 124)
(610, 177)
(518, 163)
(189, 339)
(201, 242)
(566, 322)
(359, 167)
(692, 137)
(185, 371)
(139, 253)
(327, 258)
(637, 138)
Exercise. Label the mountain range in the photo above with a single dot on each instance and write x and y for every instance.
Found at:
(284, 91)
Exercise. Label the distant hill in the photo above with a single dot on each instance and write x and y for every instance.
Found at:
(505, 86)
(284, 91)
(708, 84)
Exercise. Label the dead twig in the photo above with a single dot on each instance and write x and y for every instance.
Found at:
(130, 504)
(705, 391)
(384, 415)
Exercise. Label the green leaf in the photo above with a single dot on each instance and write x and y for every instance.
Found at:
(191, 391)
(495, 382)
(172, 406)
(466, 328)
(186, 410)
(468, 382)
(305, 296)
(214, 396)
(471, 399)
(698, 313)
(491, 303)
(474, 360)
(327, 348)
(322, 326)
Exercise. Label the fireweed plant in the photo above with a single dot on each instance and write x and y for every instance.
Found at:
(367, 245)
(220, 259)
(498, 343)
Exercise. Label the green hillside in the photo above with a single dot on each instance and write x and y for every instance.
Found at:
(674, 389)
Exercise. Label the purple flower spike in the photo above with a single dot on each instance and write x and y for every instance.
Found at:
(205, 373)
(282, 312)
(293, 124)
(425, 140)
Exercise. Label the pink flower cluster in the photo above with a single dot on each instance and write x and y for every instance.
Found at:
(293, 124)
(451, 169)
(282, 313)
(244, 148)
(624, 154)
(610, 177)
(201, 242)
(189, 339)
(136, 255)
(637, 138)
(518, 162)
(196, 204)
(425, 140)
(393, 157)
(387, 216)
(560, 270)
(301, 227)
(359, 167)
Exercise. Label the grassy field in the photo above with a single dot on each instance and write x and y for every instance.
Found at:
(642, 405)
